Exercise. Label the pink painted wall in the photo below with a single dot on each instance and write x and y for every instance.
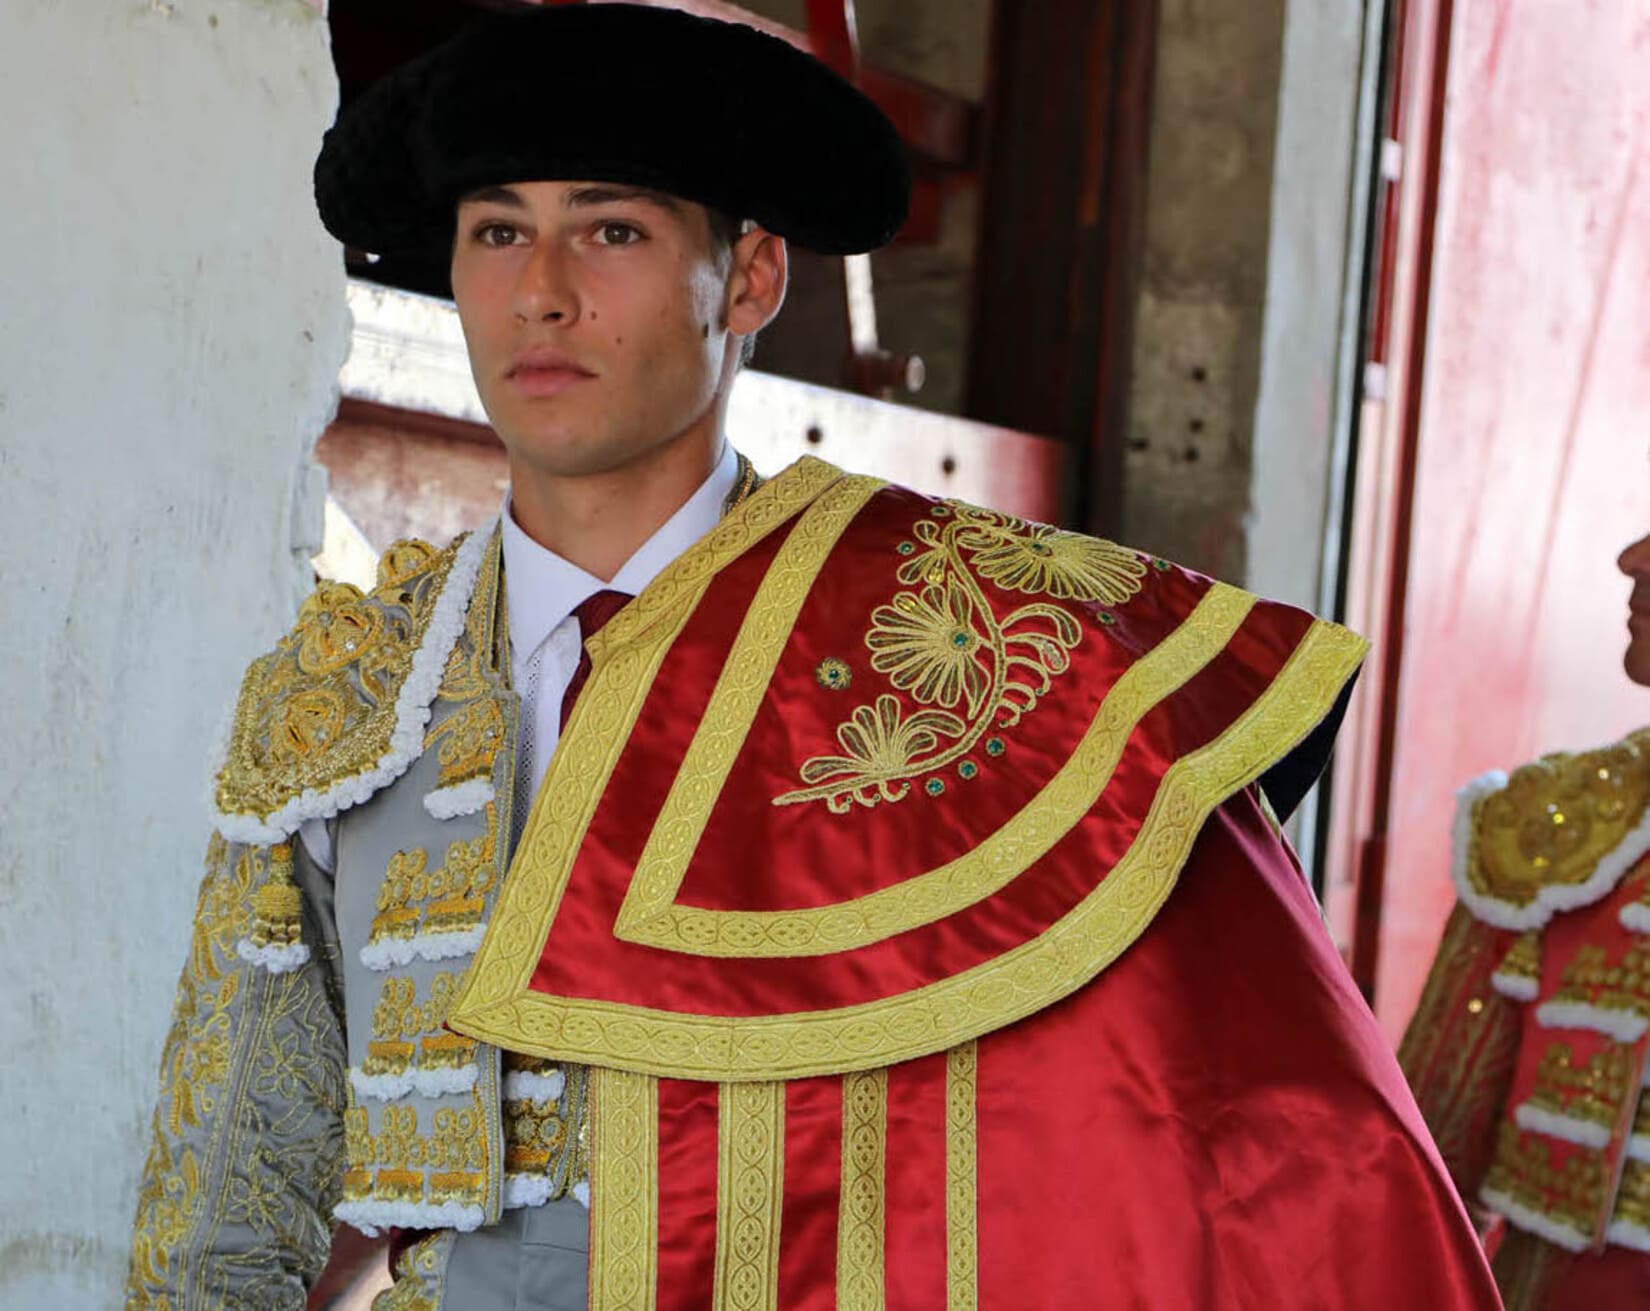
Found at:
(1534, 465)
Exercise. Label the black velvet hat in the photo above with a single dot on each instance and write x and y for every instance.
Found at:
(712, 112)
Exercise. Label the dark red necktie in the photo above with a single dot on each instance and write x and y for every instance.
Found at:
(593, 613)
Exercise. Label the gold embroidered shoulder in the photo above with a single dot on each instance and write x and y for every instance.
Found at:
(338, 709)
(1555, 835)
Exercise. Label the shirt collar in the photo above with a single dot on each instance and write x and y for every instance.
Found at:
(542, 588)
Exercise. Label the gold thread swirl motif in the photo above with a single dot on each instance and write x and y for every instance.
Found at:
(944, 645)
(322, 706)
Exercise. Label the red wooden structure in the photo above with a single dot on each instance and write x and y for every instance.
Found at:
(1507, 458)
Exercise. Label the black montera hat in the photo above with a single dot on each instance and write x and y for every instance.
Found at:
(713, 112)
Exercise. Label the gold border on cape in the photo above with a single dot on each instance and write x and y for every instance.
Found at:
(648, 917)
(624, 1191)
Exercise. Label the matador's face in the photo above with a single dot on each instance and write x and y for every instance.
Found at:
(1635, 563)
(596, 317)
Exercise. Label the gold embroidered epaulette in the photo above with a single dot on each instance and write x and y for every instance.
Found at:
(1554, 835)
(337, 710)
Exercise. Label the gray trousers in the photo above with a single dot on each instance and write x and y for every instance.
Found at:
(531, 1260)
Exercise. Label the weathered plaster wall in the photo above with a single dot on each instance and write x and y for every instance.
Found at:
(1203, 281)
(1306, 298)
(1242, 289)
(174, 322)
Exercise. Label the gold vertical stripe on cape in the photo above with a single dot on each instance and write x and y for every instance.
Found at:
(624, 1190)
(861, 1218)
(750, 1183)
(962, 1237)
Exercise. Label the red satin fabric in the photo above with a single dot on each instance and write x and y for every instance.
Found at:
(755, 855)
(1216, 1122)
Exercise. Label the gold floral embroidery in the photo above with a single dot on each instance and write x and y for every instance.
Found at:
(750, 1187)
(1633, 1198)
(548, 1137)
(1555, 819)
(1590, 979)
(322, 706)
(879, 744)
(946, 646)
(1044, 561)
(1572, 1195)
(453, 895)
(399, 1021)
(468, 740)
(500, 1007)
(1593, 1092)
(400, 1163)
(420, 1276)
(922, 898)
(926, 643)
(246, 1125)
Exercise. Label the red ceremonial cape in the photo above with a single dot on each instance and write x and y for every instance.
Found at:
(841, 879)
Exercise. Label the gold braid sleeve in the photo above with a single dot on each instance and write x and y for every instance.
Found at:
(1460, 1048)
(234, 1207)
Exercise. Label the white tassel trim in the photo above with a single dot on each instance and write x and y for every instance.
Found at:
(1624, 1233)
(522, 1190)
(1638, 1147)
(581, 1193)
(412, 713)
(426, 1083)
(370, 1216)
(1623, 1026)
(391, 953)
(1551, 897)
(526, 1086)
(1635, 915)
(460, 799)
(1520, 987)
(1534, 1222)
(277, 960)
(1537, 1119)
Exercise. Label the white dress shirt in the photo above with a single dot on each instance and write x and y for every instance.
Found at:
(542, 590)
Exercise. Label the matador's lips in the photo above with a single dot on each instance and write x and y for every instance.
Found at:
(544, 371)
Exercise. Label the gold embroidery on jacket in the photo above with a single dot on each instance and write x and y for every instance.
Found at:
(1572, 1195)
(498, 1006)
(861, 1217)
(624, 1191)
(403, 1029)
(451, 898)
(420, 1276)
(322, 706)
(245, 1125)
(749, 1191)
(1633, 1199)
(962, 1240)
(401, 1163)
(1590, 979)
(1556, 819)
(1593, 1092)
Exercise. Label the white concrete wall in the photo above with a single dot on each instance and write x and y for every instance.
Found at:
(172, 320)
(1312, 190)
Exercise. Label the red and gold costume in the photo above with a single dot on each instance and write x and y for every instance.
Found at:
(904, 879)
(1528, 1051)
